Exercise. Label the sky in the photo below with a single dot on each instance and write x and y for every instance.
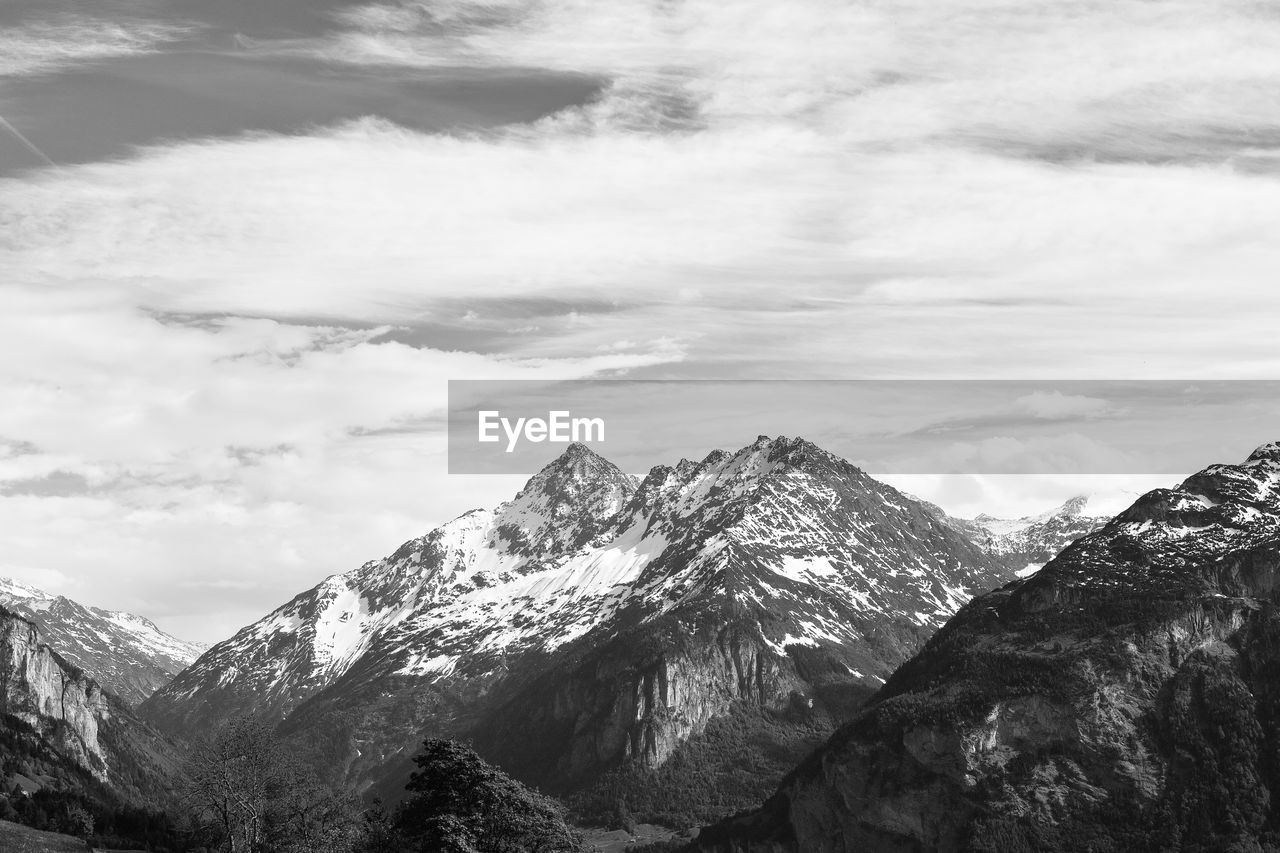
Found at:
(244, 246)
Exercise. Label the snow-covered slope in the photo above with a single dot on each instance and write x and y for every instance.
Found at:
(750, 576)
(472, 584)
(126, 654)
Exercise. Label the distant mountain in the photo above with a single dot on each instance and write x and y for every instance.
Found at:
(1025, 544)
(58, 725)
(1124, 698)
(126, 654)
(598, 625)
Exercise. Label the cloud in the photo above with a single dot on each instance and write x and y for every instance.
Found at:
(240, 343)
(1055, 406)
(233, 450)
(1062, 453)
(69, 39)
(1016, 496)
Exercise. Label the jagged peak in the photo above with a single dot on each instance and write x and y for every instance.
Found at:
(565, 504)
(764, 472)
(783, 445)
(790, 452)
(578, 450)
(577, 463)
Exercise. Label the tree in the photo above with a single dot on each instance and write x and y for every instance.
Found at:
(459, 803)
(78, 821)
(250, 795)
(622, 817)
(231, 778)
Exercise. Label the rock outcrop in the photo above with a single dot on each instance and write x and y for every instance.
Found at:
(1125, 697)
(50, 696)
(55, 712)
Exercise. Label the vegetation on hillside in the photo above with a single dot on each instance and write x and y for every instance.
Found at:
(68, 799)
(735, 764)
(241, 791)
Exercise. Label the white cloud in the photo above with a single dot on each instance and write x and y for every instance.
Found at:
(1014, 496)
(1054, 405)
(884, 189)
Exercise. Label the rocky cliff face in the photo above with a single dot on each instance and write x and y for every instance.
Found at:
(596, 620)
(56, 711)
(1125, 697)
(44, 692)
(127, 654)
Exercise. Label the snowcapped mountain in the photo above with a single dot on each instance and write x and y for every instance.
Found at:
(126, 654)
(595, 620)
(1124, 697)
(470, 585)
(1026, 544)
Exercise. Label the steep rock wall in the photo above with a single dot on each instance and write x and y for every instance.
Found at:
(42, 690)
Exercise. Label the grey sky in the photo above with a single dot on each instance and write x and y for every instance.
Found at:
(895, 427)
(239, 342)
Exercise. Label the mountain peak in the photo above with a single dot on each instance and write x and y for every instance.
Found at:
(788, 452)
(578, 450)
(1074, 506)
(578, 464)
(566, 503)
(783, 444)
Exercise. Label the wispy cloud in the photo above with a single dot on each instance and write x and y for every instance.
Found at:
(68, 39)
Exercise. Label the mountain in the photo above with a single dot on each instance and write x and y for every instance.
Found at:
(126, 654)
(598, 624)
(1023, 545)
(58, 725)
(1126, 697)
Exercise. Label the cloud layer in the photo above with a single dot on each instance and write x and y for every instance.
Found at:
(225, 357)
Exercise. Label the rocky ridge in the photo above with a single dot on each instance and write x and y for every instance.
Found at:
(1124, 697)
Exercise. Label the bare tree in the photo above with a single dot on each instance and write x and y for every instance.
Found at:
(231, 779)
(251, 795)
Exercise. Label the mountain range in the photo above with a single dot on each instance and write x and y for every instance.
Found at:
(1025, 544)
(600, 625)
(768, 626)
(126, 654)
(1126, 697)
